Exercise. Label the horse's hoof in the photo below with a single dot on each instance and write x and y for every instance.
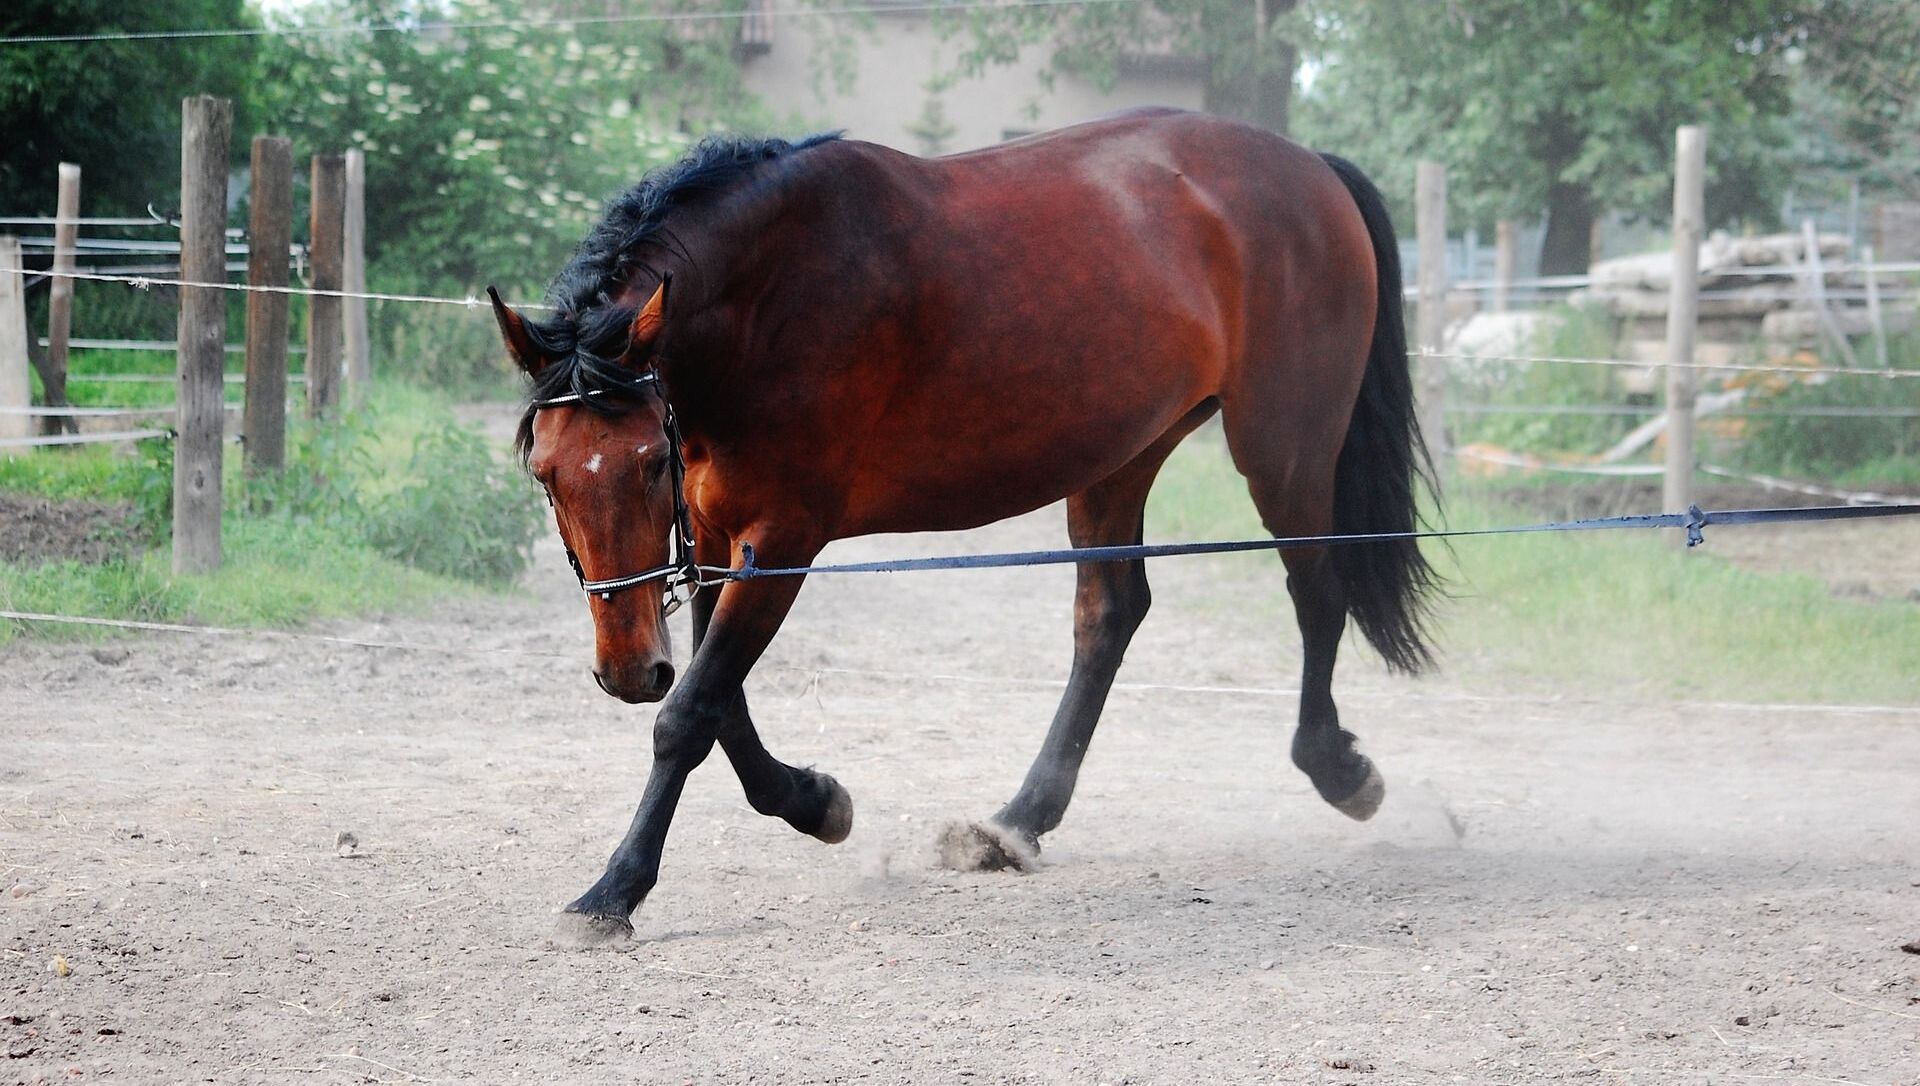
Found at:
(978, 846)
(582, 931)
(838, 821)
(1365, 800)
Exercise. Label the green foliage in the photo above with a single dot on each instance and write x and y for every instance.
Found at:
(1577, 332)
(1516, 96)
(490, 147)
(454, 351)
(276, 572)
(385, 507)
(146, 481)
(1249, 66)
(113, 107)
(1865, 450)
(321, 482)
(463, 514)
(1860, 100)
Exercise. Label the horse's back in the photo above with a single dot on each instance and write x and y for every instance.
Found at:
(1122, 271)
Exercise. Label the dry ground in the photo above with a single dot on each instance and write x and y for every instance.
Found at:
(1570, 888)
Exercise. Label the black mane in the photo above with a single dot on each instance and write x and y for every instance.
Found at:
(587, 332)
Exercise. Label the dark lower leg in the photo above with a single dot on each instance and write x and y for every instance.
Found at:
(733, 633)
(810, 801)
(1048, 788)
(1109, 606)
(1321, 747)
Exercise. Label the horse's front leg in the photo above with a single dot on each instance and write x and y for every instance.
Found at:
(691, 720)
(810, 801)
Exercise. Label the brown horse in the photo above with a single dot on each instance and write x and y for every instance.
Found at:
(829, 339)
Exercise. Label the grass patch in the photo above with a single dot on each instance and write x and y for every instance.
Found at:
(357, 524)
(1602, 613)
(276, 573)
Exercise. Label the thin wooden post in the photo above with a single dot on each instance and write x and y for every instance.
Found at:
(1873, 309)
(1506, 250)
(16, 387)
(66, 239)
(354, 275)
(1430, 208)
(1683, 309)
(269, 236)
(1816, 286)
(206, 148)
(325, 332)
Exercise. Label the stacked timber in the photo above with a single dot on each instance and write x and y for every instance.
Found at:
(1764, 290)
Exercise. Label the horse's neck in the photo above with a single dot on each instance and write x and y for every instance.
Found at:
(737, 259)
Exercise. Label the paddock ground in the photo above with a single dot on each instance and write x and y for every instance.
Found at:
(1562, 885)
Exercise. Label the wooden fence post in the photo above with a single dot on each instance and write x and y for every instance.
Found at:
(66, 239)
(354, 276)
(1683, 308)
(1874, 317)
(1506, 251)
(325, 334)
(16, 387)
(206, 148)
(1430, 209)
(269, 235)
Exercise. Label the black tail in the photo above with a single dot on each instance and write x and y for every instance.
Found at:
(1382, 466)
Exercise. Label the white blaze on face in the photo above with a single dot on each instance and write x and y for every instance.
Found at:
(642, 450)
(593, 465)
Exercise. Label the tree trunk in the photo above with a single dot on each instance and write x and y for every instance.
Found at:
(1569, 241)
(54, 384)
(1261, 90)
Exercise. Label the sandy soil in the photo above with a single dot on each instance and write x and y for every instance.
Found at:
(1570, 888)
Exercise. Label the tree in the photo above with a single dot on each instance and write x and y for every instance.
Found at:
(1568, 105)
(111, 106)
(1859, 95)
(1245, 48)
(493, 134)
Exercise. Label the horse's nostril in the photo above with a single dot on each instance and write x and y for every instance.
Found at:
(601, 680)
(660, 678)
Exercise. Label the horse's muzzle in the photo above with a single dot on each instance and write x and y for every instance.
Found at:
(653, 685)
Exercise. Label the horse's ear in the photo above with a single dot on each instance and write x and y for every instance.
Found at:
(513, 329)
(647, 323)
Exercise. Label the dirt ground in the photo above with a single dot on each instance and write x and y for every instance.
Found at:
(36, 530)
(1561, 888)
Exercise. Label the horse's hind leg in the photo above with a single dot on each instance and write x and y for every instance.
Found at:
(1298, 501)
(1110, 601)
(1323, 749)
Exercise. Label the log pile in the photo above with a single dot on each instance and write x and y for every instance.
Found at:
(1755, 289)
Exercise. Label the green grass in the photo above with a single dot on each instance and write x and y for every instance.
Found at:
(275, 573)
(278, 570)
(86, 471)
(1600, 614)
(92, 361)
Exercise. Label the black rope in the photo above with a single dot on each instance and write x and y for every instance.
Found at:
(1694, 520)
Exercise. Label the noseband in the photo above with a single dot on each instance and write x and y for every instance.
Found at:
(683, 572)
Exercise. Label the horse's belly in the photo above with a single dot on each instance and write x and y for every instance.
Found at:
(962, 473)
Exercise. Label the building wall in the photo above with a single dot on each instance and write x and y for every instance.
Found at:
(892, 64)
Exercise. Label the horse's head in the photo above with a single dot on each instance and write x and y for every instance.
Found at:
(606, 461)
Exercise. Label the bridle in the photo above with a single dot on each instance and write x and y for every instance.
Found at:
(683, 571)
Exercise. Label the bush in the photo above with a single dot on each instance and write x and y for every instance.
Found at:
(464, 514)
(1580, 333)
(1835, 447)
(455, 351)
